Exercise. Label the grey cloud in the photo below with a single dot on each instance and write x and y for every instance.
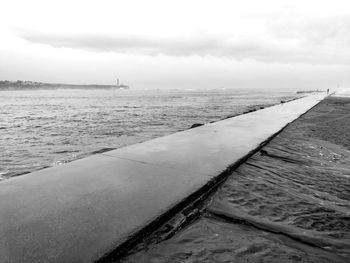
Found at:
(267, 50)
(177, 46)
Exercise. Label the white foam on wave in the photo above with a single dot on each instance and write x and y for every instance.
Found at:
(342, 93)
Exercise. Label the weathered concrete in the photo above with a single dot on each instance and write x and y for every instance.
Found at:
(82, 210)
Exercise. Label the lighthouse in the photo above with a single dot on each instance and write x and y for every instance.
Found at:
(121, 86)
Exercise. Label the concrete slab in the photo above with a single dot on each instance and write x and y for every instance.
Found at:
(79, 211)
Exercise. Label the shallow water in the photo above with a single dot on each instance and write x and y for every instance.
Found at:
(50, 127)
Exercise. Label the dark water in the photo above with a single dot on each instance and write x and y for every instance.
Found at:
(50, 127)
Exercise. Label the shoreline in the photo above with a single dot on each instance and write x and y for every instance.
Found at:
(94, 205)
(288, 202)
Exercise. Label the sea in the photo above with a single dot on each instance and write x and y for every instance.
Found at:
(44, 128)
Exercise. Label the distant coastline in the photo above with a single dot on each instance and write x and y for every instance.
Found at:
(309, 91)
(33, 85)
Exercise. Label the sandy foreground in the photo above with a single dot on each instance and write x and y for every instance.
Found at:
(290, 202)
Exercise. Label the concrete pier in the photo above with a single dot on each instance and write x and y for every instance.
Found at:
(83, 210)
(289, 202)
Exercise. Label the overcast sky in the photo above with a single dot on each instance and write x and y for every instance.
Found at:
(298, 44)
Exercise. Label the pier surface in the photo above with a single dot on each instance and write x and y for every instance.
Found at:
(83, 210)
(289, 202)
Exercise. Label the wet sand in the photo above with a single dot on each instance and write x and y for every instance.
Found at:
(290, 202)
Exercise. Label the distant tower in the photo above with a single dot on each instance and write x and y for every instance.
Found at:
(117, 82)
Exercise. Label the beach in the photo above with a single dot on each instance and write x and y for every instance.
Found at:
(289, 202)
(97, 208)
(175, 131)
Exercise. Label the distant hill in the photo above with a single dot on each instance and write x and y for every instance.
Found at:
(33, 85)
